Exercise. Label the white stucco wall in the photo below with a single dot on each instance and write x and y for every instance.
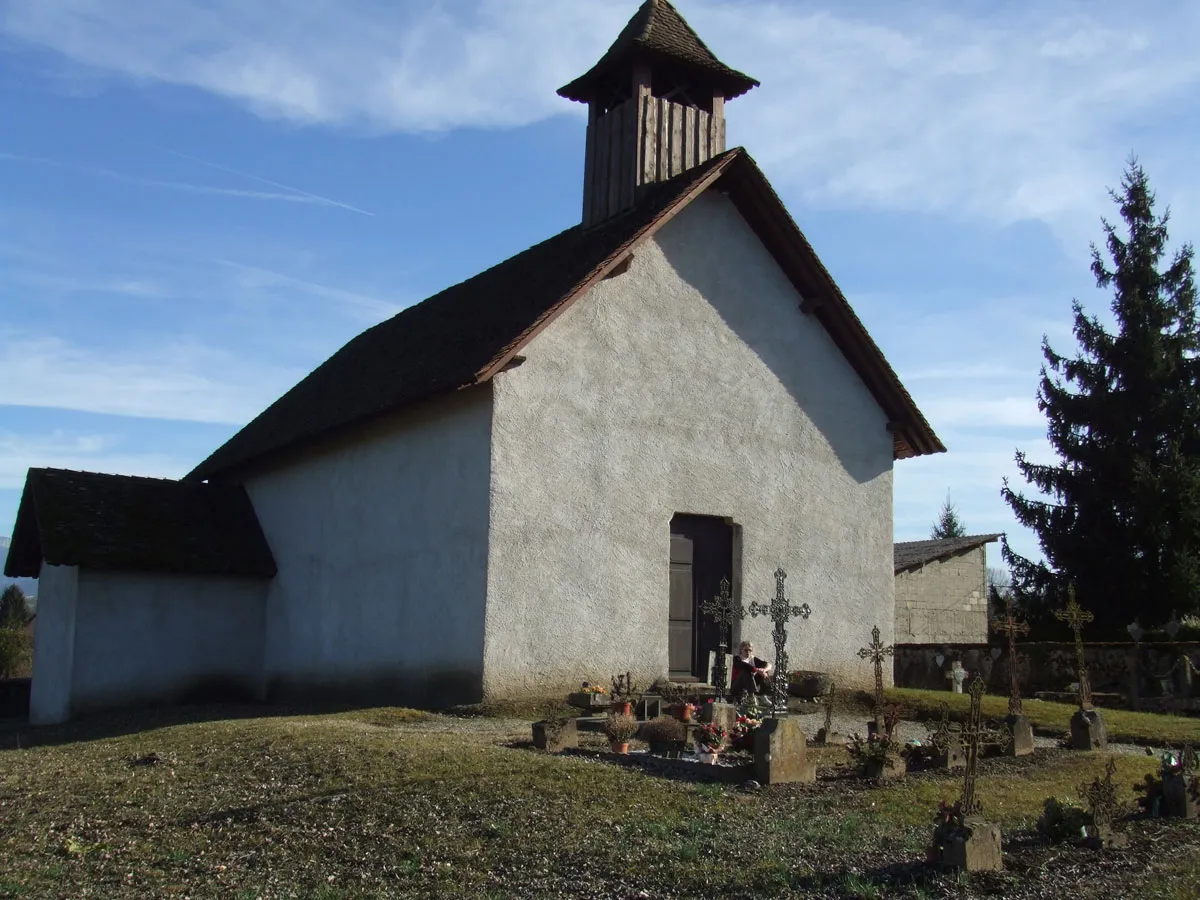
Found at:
(381, 543)
(690, 384)
(53, 645)
(146, 637)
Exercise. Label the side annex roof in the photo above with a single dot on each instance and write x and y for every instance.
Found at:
(132, 524)
(911, 554)
(468, 333)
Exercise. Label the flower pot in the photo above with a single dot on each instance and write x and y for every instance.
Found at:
(623, 708)
(707, 755)
(589, 702)
(618, 747)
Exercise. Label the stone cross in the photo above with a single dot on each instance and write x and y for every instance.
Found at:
(1012, 626)
(974, 736)
(722, 611)
(780, 611)
(876, 651)
(1076, 617)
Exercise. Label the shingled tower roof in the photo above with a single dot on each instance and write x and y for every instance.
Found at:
(658, 31)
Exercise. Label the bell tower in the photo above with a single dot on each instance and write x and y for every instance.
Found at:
(656, 108)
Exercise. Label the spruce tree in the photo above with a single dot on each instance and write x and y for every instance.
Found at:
(948, 524)
(14, 607)
(1118, 513)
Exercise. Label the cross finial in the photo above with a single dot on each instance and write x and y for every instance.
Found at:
(1012, 626)
(723, 612)
(1076, 617)
(780, 609)
(875, 652)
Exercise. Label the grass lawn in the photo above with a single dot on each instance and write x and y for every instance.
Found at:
(1123, 725)
(393, 803)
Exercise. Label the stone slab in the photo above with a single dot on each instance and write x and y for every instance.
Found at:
(1088, 731)
(831, 740)
(976, 849)
(955, 757)
(1178, 802)
(555, 736)
(1022, 733)
(780, 749)
(724, 714)
(892, 766)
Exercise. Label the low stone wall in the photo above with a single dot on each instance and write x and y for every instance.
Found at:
(1166, 670)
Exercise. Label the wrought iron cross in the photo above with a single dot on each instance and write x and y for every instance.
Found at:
(941, 738)
(974, 736)
(1076, 617)
(1013, 626)
(780, 611)
(829, 711)
(1101, 797)
(876, 651)
(722, 612)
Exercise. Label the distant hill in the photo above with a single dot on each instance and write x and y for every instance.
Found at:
(28, 585)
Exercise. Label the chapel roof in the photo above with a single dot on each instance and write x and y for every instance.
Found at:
(910, 554)
(466, 334)
(658, 31)
(129, 523)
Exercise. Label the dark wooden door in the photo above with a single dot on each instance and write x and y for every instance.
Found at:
(701, 555)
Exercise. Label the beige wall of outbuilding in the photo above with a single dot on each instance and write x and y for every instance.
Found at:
(944, 601)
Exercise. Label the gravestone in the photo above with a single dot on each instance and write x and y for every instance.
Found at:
(1181, 787)
(724, 714)
(976, 847)
(1022, 736)
(780, 749)
(957, 676)
(1088, 731)
(555, 735)
(1017, 724)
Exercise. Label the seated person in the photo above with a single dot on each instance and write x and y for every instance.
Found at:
(750, 674)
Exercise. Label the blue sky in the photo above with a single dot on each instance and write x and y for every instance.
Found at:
(200, 200)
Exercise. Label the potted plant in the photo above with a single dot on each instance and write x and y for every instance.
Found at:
(710, 738)
(589, 697)
(619, 729)
(665, 735)
(686, 711)
(623, 692)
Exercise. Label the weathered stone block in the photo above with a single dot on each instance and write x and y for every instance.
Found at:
(891, 766)
(1022, 736)
(1088, 731)
(1181, 796)
(832, 739)
(976, 848)
(954, 757)
(724, 714)
(780, 749)
(555, 735)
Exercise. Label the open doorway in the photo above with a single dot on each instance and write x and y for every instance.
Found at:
(701, 555)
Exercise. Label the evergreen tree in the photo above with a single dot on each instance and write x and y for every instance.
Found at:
(14, 607)
(1119, 511)
(948, 524)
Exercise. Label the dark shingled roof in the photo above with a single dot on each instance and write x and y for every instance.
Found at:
(658, 31)
(126, 523)
(467, 333)
(911, 554)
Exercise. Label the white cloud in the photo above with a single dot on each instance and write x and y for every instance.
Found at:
(82, 452)
(169, 380)
(1022, 114)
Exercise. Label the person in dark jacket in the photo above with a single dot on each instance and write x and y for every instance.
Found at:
(750, 674)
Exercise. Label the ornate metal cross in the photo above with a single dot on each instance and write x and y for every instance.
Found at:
(1101, 797)
(1013, 626)
(723, 612)
(876, 652)
(974, 736)
(1076, 617)
(829, 711)
(941, 738)
(780, 611)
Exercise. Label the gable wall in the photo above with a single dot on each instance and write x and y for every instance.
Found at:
(944, 601)
(690, 384)
(381, 543)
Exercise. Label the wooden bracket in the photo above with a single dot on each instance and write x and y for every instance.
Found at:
(620, 268)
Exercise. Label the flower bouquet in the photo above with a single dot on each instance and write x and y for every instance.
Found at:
(710, 738)
(590, 697)
(742, 735)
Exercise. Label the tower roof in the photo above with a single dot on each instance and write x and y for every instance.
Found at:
(658, 31)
